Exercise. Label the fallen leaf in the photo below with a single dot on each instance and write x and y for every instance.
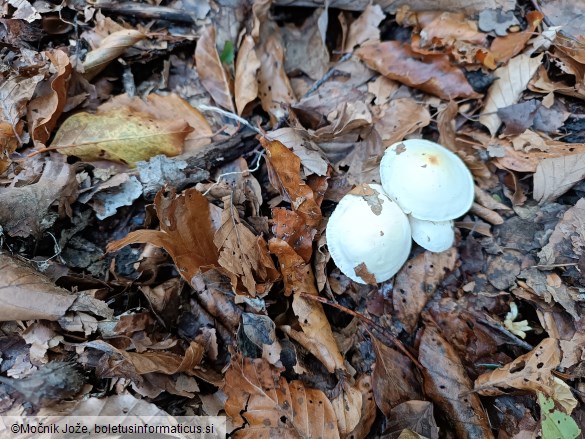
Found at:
(26, 209)
(554, 423)
(443, 29)
(506, 47)
(416, 282)
(348, 408)
(186, 232)
(244, 254)
(555, 176)
(212, 73)
(497, 21)
(393, 380)
(399, 118)
(512, 81)
(9, 141)
(47, 106)
(368, 415)
(416, 416)
(265, 404)
(120, 135)
(110, 48)
(247, 65)
(447, 384)
(26, 294)
(433, 74)
(531, 371)
(304, 148)
(365, 28)
(518, 117)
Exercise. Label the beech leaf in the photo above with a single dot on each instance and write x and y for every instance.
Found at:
(555, 176)
(247, 65)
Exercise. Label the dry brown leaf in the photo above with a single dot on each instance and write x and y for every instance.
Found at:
(25, 210)
(242, 253)
(368, 415)
(399, 118)
(26, 294)
(512, 81)
(365, 28)
(414, 416)
(8, 143)
(299, 278)
(46, 108)
(531, 371)
(264, 403)
(443, 29)
(273, 84)
(247, 65)
(348, 408)
(416, 282)
(555, 176)
(393, 380)
(118, 363)
(212, 73)
(304, 148)
(431, 73)
(446, 383)
(110, 48)
(166, 107)
(186, 232)
(504, 48)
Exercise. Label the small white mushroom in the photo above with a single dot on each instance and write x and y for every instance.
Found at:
(427, 180)
(368, 235)
(434, 236)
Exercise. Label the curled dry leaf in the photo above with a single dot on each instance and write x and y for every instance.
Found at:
(266, 405)
(212, 73)
(26, 294)
(243, 254)
(512, 81)
(433, 74)
(109, 49)
(120, 135)
(446, 383)
(416, 282)
(531, 371)
(247, 65)
(46, 108)
(186, 232)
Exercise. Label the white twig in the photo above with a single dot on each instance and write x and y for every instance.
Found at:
(230, 115)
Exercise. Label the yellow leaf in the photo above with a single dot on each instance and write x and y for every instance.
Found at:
(120, 135)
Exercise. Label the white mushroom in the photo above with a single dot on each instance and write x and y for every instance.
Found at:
(368, 235)
(427, 180)
(435, 236)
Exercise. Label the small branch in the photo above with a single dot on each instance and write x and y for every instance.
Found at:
(376, 330)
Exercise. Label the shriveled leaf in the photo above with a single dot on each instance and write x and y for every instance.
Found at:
(109, 49)
(186, 232)
(242, 253)
(555, 176)
(46, 108)
(417, 281)
(212, 73)
(512, 81)
(299, 278)
(26, 294)
(264, 403)
(247, 65)
(120, 135)
(365, 28)
(554, 423)
(25, 210)
(393, 380)
(447, 384)
(431, 73)
(531, 371)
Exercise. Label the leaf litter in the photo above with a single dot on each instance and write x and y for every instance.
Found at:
(164, 192)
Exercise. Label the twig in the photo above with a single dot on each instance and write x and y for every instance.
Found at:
(515, 340)
(231, 115)
(376, 330)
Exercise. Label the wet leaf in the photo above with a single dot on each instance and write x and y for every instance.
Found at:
(433, 74)
(186, 232)
(262, 401)
(213, 74)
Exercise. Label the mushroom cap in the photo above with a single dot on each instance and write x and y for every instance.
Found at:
(427, 180)
(434, 236)
(368, 235)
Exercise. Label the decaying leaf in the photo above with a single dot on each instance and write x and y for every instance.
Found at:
(431, 73)
(416, 282)
(555, 423)
(446, 383)
(512, 81)
(264, 403)
(213, 74)
(27, 294)
(414, 416)
(247, 65)
(186, 232)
